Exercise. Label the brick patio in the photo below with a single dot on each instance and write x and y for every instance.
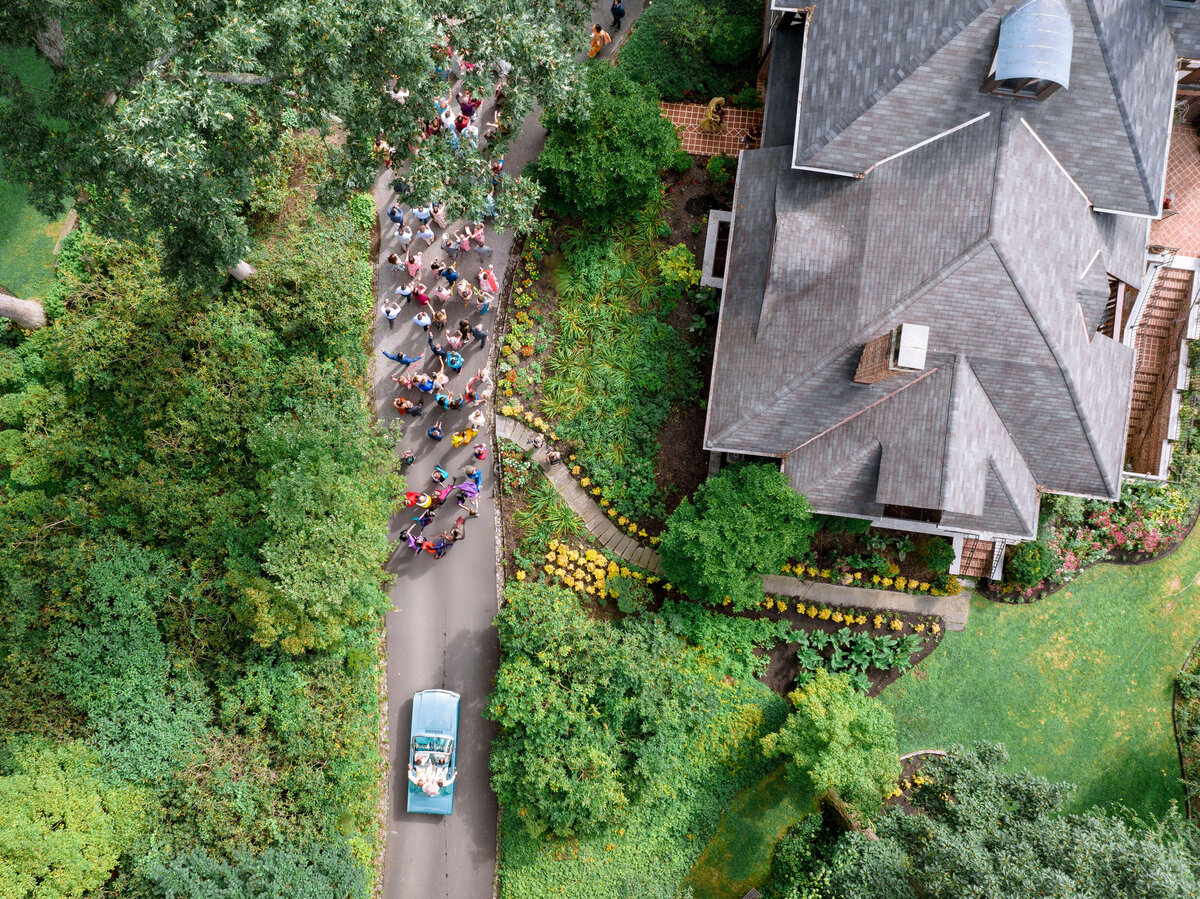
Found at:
(686, 118)
(1182, 229)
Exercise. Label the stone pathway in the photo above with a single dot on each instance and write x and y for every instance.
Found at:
(951, 609)
(595, 518)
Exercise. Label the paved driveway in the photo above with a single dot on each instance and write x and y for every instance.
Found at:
(439, 632)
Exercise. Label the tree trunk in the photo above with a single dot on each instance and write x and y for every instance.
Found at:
(28, 314)
(849, 821)
(52, 43)
(243, 270)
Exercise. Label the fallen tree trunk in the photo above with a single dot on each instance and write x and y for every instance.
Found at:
(28, 314)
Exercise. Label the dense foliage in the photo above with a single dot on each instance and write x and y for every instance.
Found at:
(742, 524)
(62, 828)
(591, 716)
(854, 653)
(840, 741)
(308, 872)
(194, 516)
(617, 365)
(983, 831)
(695, 48)
(602, 160)
(167, 115)
(657, 715)
(1187, 727)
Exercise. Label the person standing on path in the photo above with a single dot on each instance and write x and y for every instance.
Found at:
(480, 334)
(600, 38)
(618, 13)
(402, 358)
(390, 310)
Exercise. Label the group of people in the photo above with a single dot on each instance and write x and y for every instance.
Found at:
(431, 772)
(428, 372)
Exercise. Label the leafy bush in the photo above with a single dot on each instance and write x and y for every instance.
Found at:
(618, 366)
(854, 654)
(1030, 563)
(719, 169)
(62, 828)
(938, 555)
(747, 98)
(326, 871)
(603, 163)
(979, 823)
(362, 211)
(839, 740)
(693, 47)
(742, 524)
(682, 163)
(630, 709)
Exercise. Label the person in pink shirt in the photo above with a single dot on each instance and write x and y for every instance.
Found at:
(413, 264)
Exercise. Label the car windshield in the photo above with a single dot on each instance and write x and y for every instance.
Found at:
(432, 744)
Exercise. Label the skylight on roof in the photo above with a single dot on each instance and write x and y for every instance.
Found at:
(1033, 52)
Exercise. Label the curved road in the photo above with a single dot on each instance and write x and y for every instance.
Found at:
(439, 632)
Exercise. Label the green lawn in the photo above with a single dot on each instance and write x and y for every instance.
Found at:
(26, 237)
(738, 856)
(1077, 686)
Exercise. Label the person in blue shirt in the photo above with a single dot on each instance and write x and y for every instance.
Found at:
(403, 359)
(435, 431)
(454, 361)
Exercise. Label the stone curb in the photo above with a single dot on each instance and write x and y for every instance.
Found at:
(594, 518)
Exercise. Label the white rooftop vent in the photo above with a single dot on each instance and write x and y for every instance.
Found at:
(911, 343)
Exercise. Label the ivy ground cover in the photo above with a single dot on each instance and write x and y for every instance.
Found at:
(1077, 686)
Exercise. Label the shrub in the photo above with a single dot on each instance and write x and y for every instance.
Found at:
(604, 163)
(747, 98)
(938, 555)
(1029, 563)
(328, 871)
(719, 169)
(362, 211)
(701, 48)
(742, 524)
(839, 740)
(682, 163)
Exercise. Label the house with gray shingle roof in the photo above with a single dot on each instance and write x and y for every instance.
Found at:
(922, 254)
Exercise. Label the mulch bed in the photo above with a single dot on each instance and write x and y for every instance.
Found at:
(908, 767)
(784, 669)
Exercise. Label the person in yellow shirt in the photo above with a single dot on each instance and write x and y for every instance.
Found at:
(600, 37)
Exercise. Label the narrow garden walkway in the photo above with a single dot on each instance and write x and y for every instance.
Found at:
(951, 609)
(610, 536)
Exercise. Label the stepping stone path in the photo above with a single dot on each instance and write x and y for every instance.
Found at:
(612, 538)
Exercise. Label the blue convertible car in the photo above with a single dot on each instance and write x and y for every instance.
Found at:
(433, 752)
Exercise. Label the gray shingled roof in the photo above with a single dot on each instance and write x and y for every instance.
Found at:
(981, 237)
(1185, 27)
(879, 81)
(1125, 240)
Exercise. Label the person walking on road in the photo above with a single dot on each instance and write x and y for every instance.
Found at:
(480, 334)
(403, 359)
(390, 310)
(600, 38)
(618, 13)
(435, 432)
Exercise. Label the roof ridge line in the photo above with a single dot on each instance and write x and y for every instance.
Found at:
(899, 306)
(864, 410)
(1055, 351)
(960, 359)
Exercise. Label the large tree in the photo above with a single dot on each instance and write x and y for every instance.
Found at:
(983, 831)
(742, 524)
(163, 115)
(602, 158)
(838, 740)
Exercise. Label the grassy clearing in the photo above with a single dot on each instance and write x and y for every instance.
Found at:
(1077, 686)
(27, 238)
(738, 857)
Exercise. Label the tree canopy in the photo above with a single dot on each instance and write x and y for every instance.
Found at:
(61, 828)
(839, 739)
(604, 153)
(162, 117)
(743, 523)
(983, 831)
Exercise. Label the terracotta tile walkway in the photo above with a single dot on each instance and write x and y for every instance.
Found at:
(1182, 229)
(686, 118)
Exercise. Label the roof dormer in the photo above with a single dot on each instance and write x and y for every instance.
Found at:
(1033, 52)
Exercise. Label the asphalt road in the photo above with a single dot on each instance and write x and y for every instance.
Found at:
(439, 632)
